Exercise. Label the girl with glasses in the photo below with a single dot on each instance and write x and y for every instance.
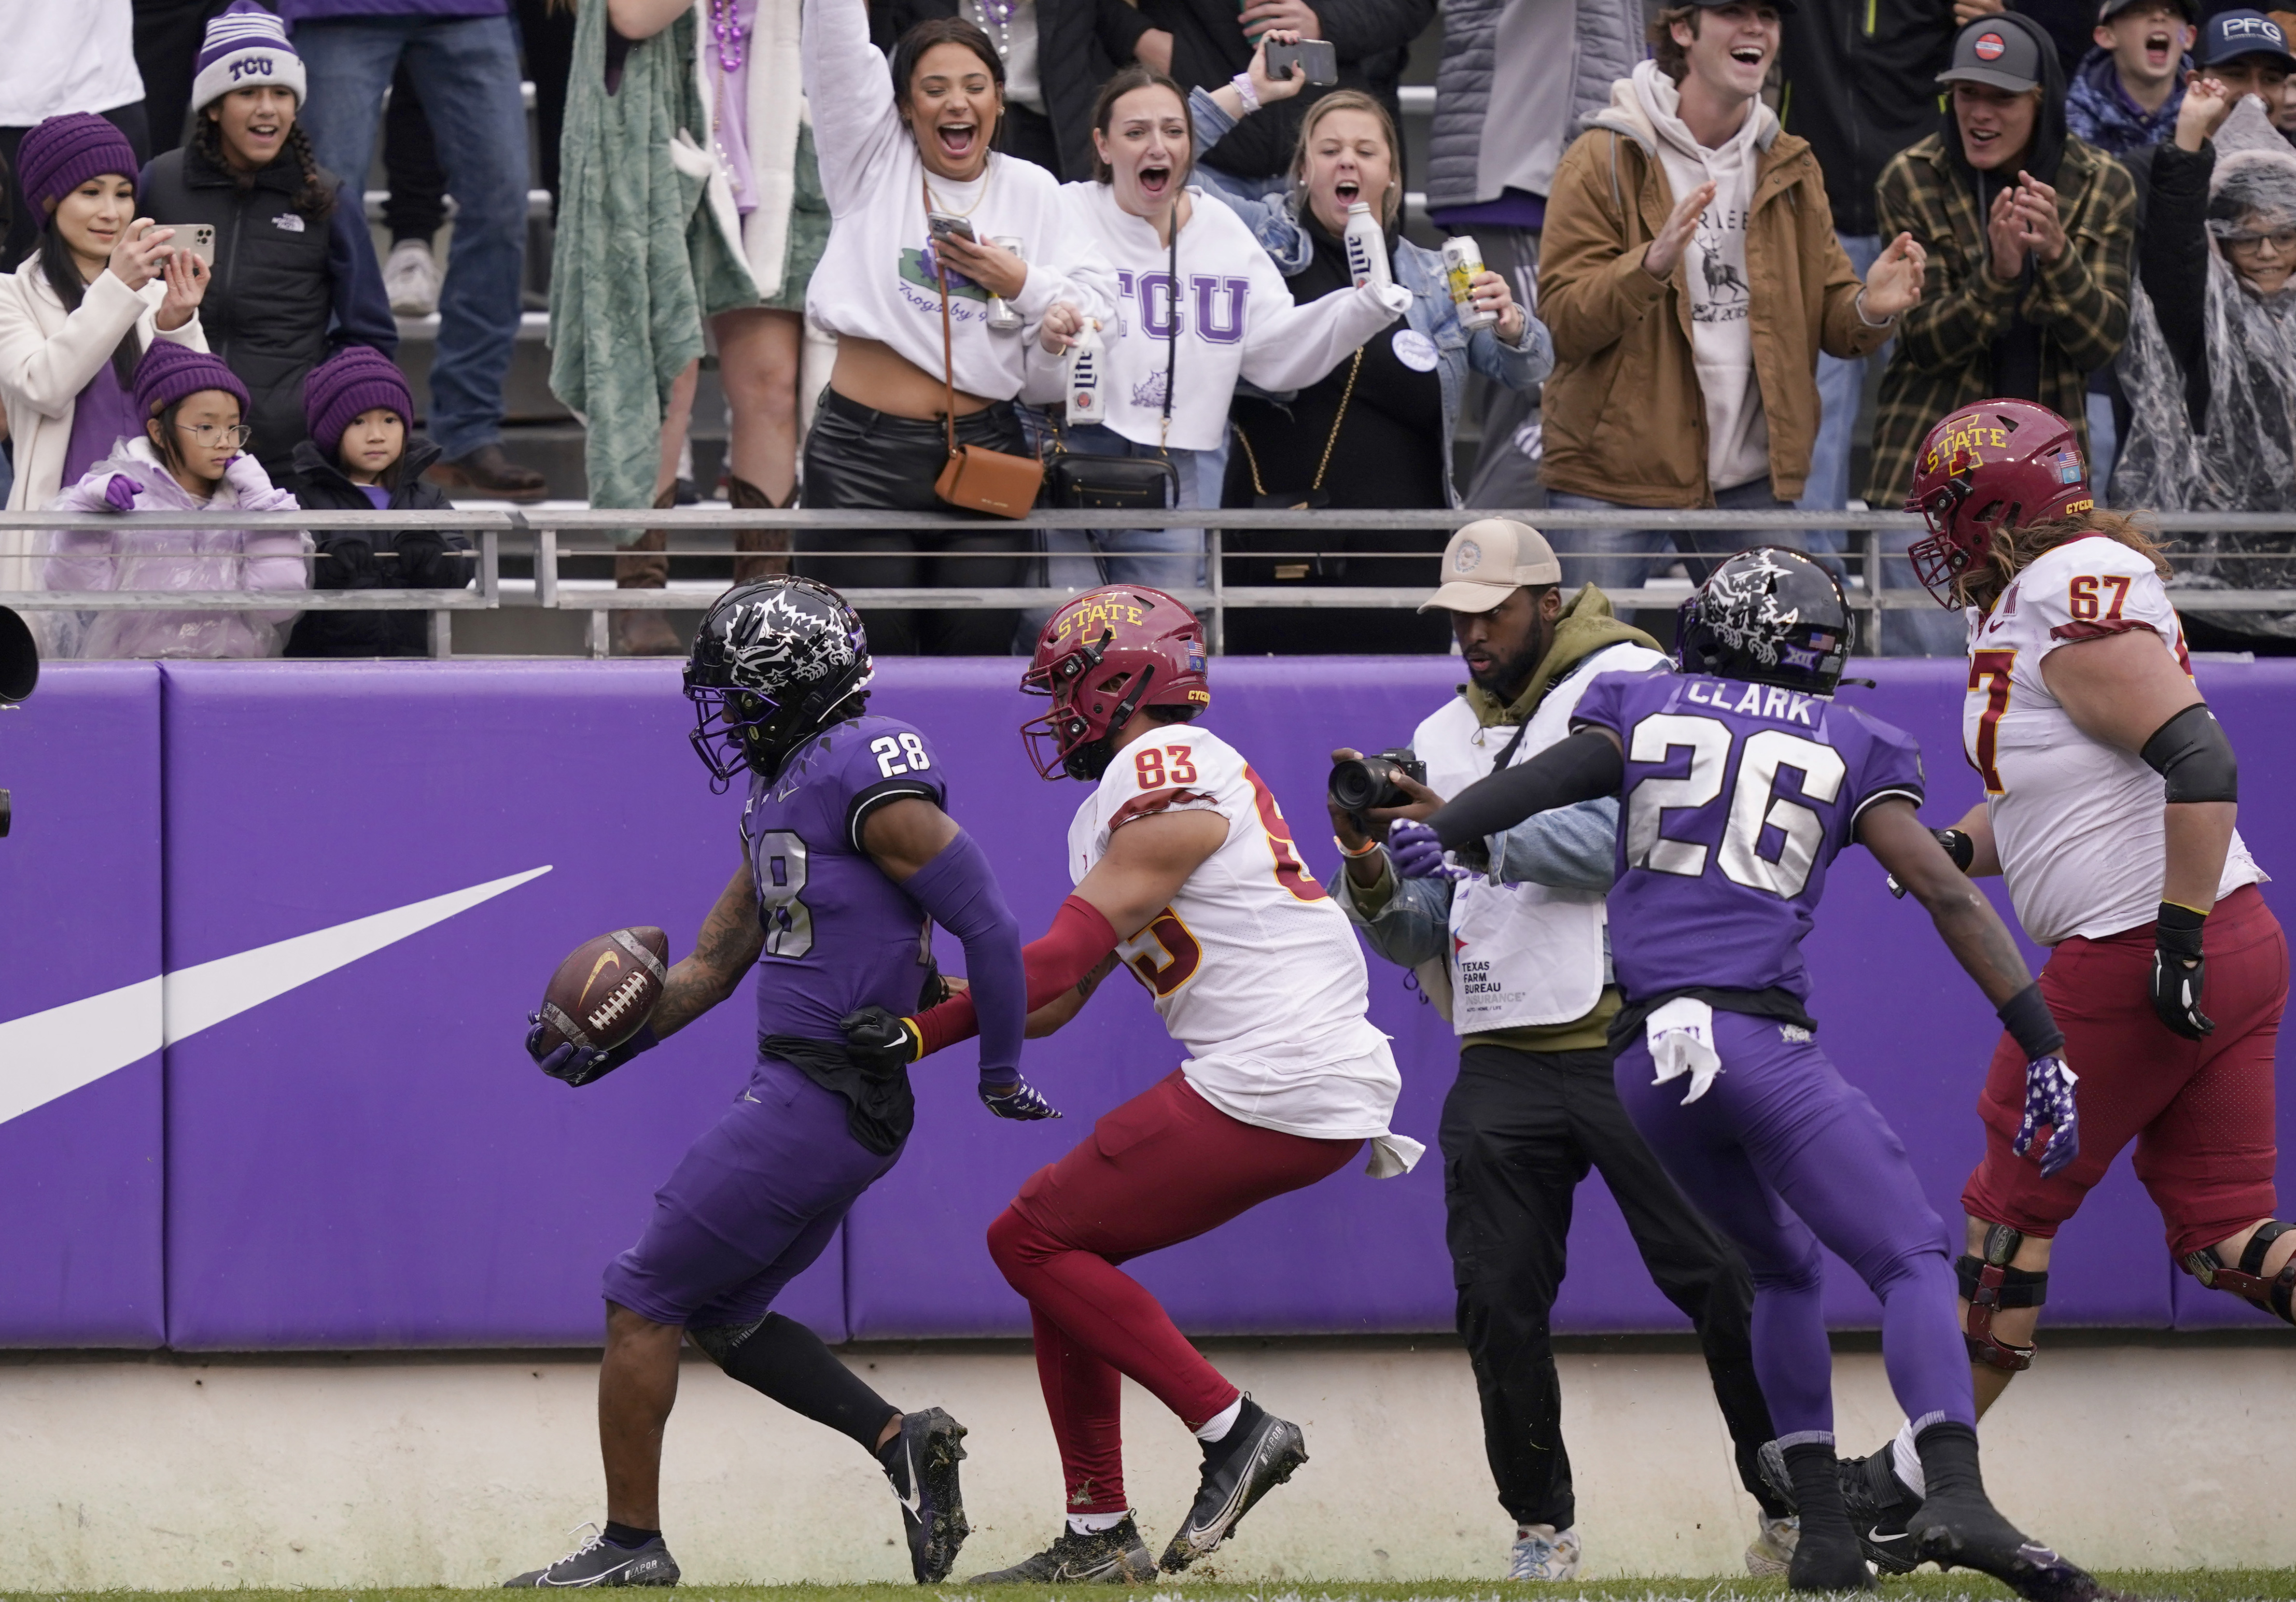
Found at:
(189, 458)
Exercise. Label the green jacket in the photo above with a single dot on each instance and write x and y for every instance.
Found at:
(639, 262)
(1944, 355)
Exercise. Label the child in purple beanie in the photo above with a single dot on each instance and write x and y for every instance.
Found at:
(188, 458)
(363, 456)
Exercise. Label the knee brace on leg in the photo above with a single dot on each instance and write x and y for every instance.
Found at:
(719, 1341)
(2275, 1296)
(1991, 1285)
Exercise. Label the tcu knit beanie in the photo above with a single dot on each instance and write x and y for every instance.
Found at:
(356, 379)
(244, 47)
(170, 371)
(65, 152)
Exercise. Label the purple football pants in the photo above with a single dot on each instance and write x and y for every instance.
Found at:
(1781, 1154)
(749, 1207)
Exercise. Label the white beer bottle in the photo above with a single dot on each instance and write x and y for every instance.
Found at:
(1083, 366)
(1367, 247)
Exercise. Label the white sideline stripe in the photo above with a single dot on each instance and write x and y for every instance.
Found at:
(46, 1055)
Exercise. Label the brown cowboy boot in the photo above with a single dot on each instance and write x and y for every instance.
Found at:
(642, 566)
(751, 562)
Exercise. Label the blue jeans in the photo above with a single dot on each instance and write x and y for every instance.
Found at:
(1623, 558)
(468, 68)
(1167, 559)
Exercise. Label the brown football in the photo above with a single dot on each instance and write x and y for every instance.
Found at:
(600, 994)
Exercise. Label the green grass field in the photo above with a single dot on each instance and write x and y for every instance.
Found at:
(2201, 1585)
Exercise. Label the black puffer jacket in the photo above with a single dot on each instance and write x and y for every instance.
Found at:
(288, 291)
(418, 559)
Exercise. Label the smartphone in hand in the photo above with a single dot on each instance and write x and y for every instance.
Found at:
(944, 225)
(1317, 58)
(197, 238)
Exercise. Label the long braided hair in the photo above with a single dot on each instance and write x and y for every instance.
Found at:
(314, 200)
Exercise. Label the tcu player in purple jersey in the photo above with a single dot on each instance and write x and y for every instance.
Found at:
(847, 859)
(1740, 779)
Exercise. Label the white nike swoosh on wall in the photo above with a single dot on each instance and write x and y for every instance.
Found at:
(46, 1055)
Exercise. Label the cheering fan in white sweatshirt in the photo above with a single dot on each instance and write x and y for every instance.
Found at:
(895, 148)
(1200, 305)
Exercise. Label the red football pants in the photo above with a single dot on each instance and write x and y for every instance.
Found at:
(1164, 1167)
(2199, 1111)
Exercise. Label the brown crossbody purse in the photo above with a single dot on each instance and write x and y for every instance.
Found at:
(977, 479)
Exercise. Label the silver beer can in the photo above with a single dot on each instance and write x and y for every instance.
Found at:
(1463, 258)
(1001, 318)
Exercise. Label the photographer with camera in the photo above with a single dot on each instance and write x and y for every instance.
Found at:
(1518, 960)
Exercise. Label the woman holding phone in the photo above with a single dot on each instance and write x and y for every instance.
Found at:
(76, 317)
(916, 190)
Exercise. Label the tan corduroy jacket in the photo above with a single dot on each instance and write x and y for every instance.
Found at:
(1625, 420)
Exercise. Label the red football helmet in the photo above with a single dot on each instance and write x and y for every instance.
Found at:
(1102, 657)
(1998, 463)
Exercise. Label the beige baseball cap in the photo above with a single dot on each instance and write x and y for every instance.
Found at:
(1489, 560)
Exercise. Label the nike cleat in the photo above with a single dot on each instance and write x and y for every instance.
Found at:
(1258, 1454)
(1771, 1552)
(1878, 1502)
(598, 1561)
(921, 1462)
(1970, 1533)
(1115, 1556)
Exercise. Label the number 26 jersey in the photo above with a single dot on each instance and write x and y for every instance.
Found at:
(2077, 823)
(1736, 798)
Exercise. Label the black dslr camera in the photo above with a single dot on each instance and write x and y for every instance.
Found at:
(1363, 783)
(19, 672)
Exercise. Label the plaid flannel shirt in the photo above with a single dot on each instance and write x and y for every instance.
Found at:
(1944, 355)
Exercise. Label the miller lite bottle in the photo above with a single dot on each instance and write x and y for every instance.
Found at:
(1082, 366)
(1367, 247)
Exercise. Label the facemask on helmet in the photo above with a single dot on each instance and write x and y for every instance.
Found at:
(774, 662)
(1102, 657)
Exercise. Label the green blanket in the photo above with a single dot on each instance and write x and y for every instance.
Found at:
(639, 261)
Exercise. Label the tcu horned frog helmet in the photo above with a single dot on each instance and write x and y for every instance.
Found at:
(1102, 657)
(771, 665)
(1996, 464)
(1768, 616)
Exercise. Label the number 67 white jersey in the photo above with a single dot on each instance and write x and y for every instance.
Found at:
(2077, 823)
(1253, 967)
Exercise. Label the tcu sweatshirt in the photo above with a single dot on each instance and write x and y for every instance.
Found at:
(1226, 313)
(876, 279)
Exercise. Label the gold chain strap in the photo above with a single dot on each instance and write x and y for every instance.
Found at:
(1251, 457)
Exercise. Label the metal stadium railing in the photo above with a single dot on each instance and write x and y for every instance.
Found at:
(541, 543)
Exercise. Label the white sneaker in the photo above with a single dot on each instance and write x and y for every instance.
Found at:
(1772, 1551)
(1541, 1553)
(410, 279)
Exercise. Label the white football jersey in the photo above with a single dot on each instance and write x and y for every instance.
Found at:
(2077, 823)
(1253, 967)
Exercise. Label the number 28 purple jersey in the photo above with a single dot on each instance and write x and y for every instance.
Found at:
(839, 934)
(1736, 797)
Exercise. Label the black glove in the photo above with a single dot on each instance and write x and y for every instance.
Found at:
(577, 1066)
(1019, 1101)
(349, 564)
(2178, 971)
(878, 1040)
(425, 563)
(1957, 845)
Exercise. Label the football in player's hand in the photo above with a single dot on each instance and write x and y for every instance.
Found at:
(605, 990)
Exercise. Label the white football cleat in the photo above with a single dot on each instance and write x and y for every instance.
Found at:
(1541, 1552)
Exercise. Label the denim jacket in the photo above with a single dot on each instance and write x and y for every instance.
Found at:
(1276, 226)
(1572, 848)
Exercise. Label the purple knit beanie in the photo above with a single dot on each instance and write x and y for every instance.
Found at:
(356, 379)
(170, 371)
(65, 152)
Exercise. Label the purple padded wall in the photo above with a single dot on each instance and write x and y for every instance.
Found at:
(370, 1160)
(81, 1181)
(365, 1159)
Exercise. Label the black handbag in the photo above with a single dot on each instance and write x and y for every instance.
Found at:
(1088, 483)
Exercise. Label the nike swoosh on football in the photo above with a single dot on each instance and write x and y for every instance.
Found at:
(53, 1053)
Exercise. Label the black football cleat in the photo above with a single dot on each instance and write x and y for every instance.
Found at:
(1259, 1453)
(1116, 1556)
(921, 1462)
(1878, 1503)
(598, 1561)
(1957, 1527)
